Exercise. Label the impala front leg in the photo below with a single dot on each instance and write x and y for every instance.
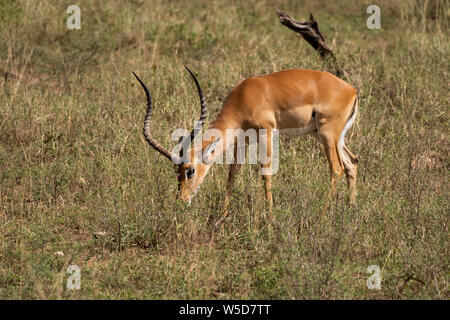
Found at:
(268, 187)
(234, 168)
(266, 168)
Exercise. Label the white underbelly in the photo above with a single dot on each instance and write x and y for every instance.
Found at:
(298, 131)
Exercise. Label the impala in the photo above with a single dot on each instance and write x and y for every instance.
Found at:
(295, 102)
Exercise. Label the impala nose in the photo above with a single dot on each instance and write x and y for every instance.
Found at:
(187, 201)
(185, 198)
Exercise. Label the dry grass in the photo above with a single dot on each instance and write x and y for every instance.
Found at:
(77, 176)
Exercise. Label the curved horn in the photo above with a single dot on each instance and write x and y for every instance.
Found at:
(148, 137)
(203, 110)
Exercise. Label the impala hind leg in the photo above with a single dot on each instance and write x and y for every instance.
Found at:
(329, 146)
(328, 138)
(336, 169)
(350, 162)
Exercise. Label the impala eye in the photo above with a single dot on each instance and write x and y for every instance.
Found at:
(190, 172)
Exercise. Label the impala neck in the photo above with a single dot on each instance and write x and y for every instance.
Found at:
(219, 127)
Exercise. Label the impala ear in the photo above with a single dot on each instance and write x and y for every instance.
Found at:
(209, 149)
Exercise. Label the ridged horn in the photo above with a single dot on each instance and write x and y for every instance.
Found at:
(147, 125)
(203, 108)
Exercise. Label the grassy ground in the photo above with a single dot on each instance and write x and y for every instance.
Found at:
(77, 177)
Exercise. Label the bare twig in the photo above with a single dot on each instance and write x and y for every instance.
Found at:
(309, 30)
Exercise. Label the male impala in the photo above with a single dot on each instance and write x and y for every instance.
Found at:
(296, 102)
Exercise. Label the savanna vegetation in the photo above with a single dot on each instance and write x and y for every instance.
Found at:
(80, 186)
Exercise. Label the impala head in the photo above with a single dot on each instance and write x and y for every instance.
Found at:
(192, 168)
(192, 173)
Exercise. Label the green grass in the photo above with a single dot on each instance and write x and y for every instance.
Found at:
(77, 176)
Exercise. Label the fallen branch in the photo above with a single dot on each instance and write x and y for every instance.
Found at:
(309, 30)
